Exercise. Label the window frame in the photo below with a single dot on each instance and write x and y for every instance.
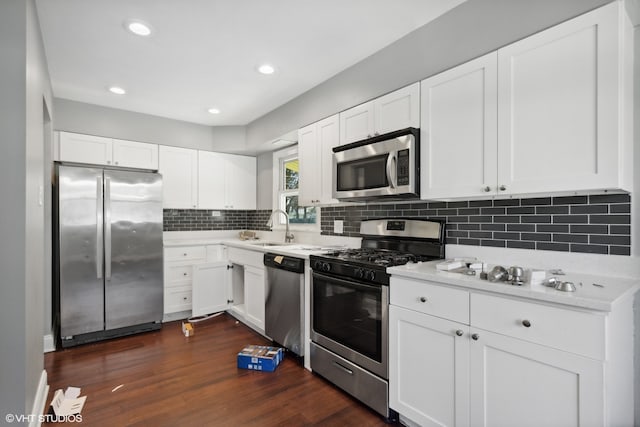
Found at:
(279, 193)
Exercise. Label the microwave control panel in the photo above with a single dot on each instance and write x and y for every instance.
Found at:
(403, 167)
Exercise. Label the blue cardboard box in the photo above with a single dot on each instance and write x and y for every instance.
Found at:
(260, 358)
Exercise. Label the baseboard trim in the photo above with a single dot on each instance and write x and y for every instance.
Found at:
(179, 315)
(49, 344)
(40, 401)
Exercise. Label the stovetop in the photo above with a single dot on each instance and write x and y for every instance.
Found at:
(386, 243)
(373, 257)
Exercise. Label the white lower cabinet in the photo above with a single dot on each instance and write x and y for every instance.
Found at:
(518, 383)
(189, 288)
(514, 362)
(248, 287)
(429, 368)
(211, 288)
(254, 294)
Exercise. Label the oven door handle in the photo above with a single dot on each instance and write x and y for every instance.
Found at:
(392, 169)
(348, 283)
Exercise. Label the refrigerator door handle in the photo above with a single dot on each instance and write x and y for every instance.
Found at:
(99, 228)
(107, 226)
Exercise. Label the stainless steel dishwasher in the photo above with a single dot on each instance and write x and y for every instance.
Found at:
(284, 314)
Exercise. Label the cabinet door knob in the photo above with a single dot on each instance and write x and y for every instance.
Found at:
(526, 323)
(475, 336)
(459, 332)
(503, 187)
(184, 254)
(185, 274)
(423, 299)
(184, 298)
(486, 189)
(377, 133)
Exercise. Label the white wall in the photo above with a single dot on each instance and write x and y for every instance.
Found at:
(265, 181)
(73, 116)
(25, 87)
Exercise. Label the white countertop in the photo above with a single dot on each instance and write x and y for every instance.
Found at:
(299, 250)
(586, 296)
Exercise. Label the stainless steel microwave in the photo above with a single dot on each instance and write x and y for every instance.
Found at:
(385, 166)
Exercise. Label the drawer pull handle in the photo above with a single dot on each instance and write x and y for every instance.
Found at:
(342, 368)
(184, 298)
(184, 254)
(185, 274)
(459, 332)
(526, 323)
(423, 299)
(475, 337)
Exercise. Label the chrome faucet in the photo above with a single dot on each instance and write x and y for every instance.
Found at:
(288, 237)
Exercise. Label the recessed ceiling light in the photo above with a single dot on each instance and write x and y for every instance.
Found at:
(117, 90)
(138, 27)
(213, 111)
(266, 69)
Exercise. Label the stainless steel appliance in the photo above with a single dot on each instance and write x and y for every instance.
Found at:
(386, 166)
(284, 316)
(350, 305)
(108, 250)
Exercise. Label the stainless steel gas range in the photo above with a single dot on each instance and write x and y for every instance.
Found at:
(350, 305)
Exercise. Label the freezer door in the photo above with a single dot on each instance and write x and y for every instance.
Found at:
(80, 250)
(133, 248)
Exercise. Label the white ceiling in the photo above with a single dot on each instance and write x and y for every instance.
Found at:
(204, 53)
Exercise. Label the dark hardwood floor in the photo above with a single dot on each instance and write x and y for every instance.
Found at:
(171, 380)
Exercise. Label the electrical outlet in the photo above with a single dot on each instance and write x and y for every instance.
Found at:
(216, 213)
(338, 226)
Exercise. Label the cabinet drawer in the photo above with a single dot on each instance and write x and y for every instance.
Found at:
(177, 299)
(178, 273)
(430, 298)
(245, 257)
(574, 331)
(185, 253)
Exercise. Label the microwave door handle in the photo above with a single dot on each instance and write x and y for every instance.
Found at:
(391, 170)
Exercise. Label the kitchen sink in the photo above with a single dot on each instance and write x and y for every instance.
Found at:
(267, 244)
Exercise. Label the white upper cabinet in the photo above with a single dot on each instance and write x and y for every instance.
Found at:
(211, 177)
(315, 154)
(396, 110)
(179, 169)
(98, 150)
(132, 154)
(458, 138)
(561, 106)
(554, 118)
(226, 181)
(241, 173)
(357, 123)
(75, 147)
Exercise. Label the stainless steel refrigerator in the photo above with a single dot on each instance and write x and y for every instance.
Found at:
(108, 250)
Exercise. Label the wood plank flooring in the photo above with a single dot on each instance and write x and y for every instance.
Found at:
(171, 380)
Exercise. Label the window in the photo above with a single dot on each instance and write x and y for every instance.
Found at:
(287, 174)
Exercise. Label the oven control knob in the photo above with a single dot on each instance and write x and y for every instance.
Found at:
(359, 273)
(369, 275)
(326, 266)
